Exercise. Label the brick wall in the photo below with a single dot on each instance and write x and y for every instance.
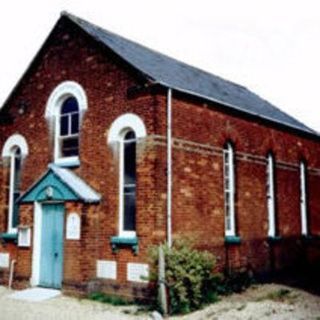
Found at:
(200, 132)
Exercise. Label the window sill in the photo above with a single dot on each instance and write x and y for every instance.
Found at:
(68, 162)
(309, 238)
(274, 238)
(8, 237)
(117, 242)
(232, 240)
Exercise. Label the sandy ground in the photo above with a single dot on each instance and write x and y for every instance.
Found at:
(270, 301)
(259, 302)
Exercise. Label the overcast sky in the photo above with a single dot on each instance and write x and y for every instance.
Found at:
(272, 47)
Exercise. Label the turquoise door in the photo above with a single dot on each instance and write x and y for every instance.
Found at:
(51, 259)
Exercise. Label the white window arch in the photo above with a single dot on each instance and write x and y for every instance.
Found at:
(126, 130)
(65, 108)
(229, 189)
(14, 149)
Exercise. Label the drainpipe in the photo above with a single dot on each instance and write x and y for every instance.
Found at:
(169, 167)
(11, 273)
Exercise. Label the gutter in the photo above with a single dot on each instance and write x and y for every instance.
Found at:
(169, 167)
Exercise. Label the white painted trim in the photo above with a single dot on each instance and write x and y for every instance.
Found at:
(37, 229)
(271, 196)
(63, 91)
(11, 195)
(303, 199)
(68, 162)
(169, 166)
(229, 150)
(124, 123)
(16, 140)
(121, 186)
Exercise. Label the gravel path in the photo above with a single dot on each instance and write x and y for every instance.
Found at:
(263, 302)
(63, 308)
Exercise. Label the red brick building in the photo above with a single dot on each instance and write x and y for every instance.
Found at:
(109, 147)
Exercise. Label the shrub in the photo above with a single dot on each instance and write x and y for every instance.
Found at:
(189, 276)
(235, 282)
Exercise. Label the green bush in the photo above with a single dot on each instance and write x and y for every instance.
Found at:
(189, 276)
(235, 282)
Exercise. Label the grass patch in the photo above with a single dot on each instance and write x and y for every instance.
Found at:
(280, 295)
(242, 307)
(137, 306)
(110, 299)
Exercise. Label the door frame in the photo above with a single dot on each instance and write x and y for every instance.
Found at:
(37, 241)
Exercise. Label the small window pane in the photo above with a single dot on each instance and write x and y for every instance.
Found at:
(75, 123)
(130, 159)
(15, 213)
(70, 147)
(64, 125)
(129, 211)
(17, 169)
(70, 105)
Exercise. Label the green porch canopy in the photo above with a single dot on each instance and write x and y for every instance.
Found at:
(59, 184)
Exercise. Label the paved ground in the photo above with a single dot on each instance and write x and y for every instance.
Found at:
(263, 302)
(63, 308)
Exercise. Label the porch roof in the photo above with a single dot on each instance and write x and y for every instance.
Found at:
(60, 184)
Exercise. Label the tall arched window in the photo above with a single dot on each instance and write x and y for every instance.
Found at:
(271, 196)
(65, 108)
(14, 151)
(128, 183)
(14, 188)
(125, 132)
(68, 129)
(303, 198)
(229, 189)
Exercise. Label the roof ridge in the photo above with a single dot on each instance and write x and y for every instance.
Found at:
(186, 64)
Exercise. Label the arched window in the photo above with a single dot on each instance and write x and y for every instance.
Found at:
(125, 132)
(14, 188)
(270, 185)
(14, 151)
(128, 185)
(65, 108)
(68, 129)
(303, 198)
(229, 189)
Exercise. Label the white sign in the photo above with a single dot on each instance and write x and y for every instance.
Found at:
(137, 272)
(73, 227)
(106, 269)
(24, 238)
(4, 260)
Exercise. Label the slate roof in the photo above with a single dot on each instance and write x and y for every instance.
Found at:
(185, 78)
